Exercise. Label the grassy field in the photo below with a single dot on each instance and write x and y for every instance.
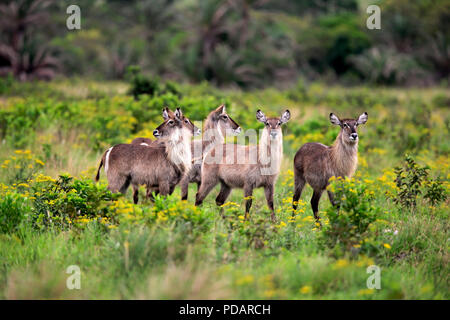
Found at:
(53, 215)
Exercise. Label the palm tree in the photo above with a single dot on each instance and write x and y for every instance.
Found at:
(22, 55)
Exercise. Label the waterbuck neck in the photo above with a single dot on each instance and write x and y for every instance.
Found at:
(344, 156)
(271, 150)
(212, 134)
(178, 149)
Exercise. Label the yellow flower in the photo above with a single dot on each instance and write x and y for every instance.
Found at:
(366, 291)
(248, 279)
(387, 245)
(39, 162)
(305, 289)
(341, 263)
(23, 185)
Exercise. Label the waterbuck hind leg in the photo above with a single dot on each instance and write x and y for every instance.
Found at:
(299, 184)
(315, 203)
(268, 191)
(118, 183)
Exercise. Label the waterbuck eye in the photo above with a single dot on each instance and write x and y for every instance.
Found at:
(346, 125)
(186, 121)
(225, 117)
(171, 122)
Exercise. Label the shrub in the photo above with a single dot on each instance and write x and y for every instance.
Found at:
(12, 211)
(349, 221)
(414, 184)
(66, 200)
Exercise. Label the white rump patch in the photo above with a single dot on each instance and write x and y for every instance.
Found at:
(107, 159)
(144, 144)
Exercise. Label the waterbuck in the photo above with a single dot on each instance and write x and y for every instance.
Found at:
(245, 167)
(160, 165)
(216, 125)
(316, 163)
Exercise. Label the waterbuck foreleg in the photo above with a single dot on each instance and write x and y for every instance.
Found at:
(268, 191)
(184, 185)
(150, 191)
(135, 194)
(205, 188)
(223, 194)
(248, 194)
(331, 197)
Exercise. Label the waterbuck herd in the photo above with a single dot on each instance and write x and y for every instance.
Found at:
(175, 158)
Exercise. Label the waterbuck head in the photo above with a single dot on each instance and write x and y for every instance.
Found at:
(349, 127)
(273, 125)
(175, 122)
(223, 122)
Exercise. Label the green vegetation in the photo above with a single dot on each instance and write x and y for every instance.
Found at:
(244, 43)
(393, 213)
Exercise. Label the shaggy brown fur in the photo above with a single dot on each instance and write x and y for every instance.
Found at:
(258, 166)
(160, 165)
(316, 163)
(216, 125)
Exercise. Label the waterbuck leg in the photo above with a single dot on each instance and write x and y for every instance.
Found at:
(150, 191)
(315, 203)
(118, 183)
(331, 197)
(248, 193)
(223, 194)
(205, 188)
(135, 194)
(299, 183)
(184, 185)
(164, 188)
(268, 191)
(222, 197)
(125, 183)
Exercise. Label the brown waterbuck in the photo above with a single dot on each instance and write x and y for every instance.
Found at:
(214, 130)
(245, 167)
(160, 165)
(316, 163)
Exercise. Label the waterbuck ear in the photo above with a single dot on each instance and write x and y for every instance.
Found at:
(260, 116)
(362, 118)
(220, 110)
(178, 113)
(285, 116)
(334, 119)
(165, 113)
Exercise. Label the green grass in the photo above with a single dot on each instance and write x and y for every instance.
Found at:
(171, 250)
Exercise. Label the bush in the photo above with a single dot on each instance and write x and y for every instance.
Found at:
(68, 201)
(13, 208)
(412, 181)
(349, 221)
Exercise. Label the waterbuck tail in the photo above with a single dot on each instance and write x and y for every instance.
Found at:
(102, 162)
